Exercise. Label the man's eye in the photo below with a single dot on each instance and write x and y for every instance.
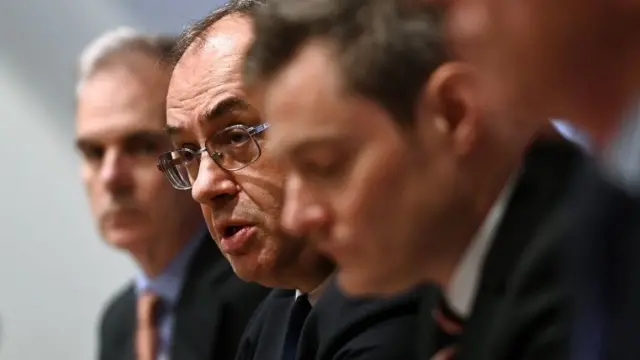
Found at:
(92, 153)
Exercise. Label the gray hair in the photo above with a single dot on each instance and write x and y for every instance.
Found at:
(101, 52)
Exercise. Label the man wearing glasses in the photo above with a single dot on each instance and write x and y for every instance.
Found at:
(185, 302)
(222, 157)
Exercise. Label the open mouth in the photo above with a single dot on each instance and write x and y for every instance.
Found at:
(235, 238)
(229, 231)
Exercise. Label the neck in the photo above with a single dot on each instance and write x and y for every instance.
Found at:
(307, 274)
(487, 172)
(310, 280)
(611, 96)
(155, 257)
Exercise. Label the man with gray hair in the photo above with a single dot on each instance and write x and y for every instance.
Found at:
(185, 302)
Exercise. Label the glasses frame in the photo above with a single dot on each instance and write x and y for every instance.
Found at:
(214, 155)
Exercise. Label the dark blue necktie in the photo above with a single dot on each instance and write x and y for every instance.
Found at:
(299, 311)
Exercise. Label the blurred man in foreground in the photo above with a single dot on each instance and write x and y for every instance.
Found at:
(222, 157)
(397, 173)
(185, 302)
(579, 60)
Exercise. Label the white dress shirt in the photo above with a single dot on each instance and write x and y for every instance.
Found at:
(315, 294)
(461, 292)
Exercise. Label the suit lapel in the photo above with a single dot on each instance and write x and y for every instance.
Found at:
(198, 312)
(129, 313)
(271, 337)
(540, 189)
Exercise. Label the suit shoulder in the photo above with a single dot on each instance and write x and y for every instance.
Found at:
(118, 306)
(370, 328)
(116, 323)
(261, 330)
(273, 299)
(237, 288)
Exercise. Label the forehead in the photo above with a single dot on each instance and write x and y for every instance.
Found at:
(123, 99)
(209, 71)
(307, 101)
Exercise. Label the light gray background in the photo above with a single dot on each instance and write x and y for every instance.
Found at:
(54, 271)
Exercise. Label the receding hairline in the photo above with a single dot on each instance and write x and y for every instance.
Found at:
(195, 35)
(216, 29)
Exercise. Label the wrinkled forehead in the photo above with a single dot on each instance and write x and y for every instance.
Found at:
(210, 69)
(215, 57)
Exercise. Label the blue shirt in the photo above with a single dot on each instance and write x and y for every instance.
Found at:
(168, 286)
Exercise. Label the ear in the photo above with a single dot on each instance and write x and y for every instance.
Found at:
(449, 101)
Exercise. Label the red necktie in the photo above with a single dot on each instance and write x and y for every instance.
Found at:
(450, 328)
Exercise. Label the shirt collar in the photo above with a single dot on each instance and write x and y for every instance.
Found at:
(315, 294)
(168, 283)
(461, 292)
(573, 134)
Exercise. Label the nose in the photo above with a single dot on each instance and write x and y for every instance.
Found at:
(301, 214)
(213, 184)
(116, 172)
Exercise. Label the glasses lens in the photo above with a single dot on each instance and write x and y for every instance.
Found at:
(234, 148)
(180, 167)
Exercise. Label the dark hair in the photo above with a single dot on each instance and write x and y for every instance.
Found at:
(196, 32)
(385, 49)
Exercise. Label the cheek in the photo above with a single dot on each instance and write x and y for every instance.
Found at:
(263, 185)
(208, 218)
(154, 193)
(368, 209)
(149, 182)
(95, 192)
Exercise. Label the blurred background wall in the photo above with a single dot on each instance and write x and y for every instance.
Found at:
(55, 273)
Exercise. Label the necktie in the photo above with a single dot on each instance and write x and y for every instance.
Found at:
(450, 327)
(299, 311)
(146, 331)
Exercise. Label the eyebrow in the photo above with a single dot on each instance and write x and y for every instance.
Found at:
(142, 135)
(220, 110)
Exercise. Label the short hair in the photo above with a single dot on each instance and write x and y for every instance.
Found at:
(196, 33)
(385, 49)
(107, 49)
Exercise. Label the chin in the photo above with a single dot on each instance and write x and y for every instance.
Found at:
(125, 239)
(249, 269)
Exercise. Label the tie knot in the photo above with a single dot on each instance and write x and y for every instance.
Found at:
(302, 304)
(147, 308)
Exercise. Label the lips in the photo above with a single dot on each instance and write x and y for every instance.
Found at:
(235, 238)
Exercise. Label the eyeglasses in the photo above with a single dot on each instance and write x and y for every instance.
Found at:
(232, 148)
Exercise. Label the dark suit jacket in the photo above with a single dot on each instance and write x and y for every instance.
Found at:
(604, 234)
(522, 308)
(336, 328)
(210, 316)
